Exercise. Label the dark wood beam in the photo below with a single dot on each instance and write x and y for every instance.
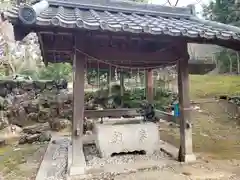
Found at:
(93, 61)
(111, 112)
(57, 42)
(165, 54)
(232, 44)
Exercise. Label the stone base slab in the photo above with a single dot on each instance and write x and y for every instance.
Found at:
(116, 138)
(189, 158)
(75, 169)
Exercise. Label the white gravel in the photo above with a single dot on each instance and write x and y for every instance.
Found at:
(93, 158)
(57, 159)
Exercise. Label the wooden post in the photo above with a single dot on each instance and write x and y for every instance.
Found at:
(78, 160)
(122, 86)
(110, 81)
(185, 150)
(149, 85)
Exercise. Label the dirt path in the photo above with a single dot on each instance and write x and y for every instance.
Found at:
(201, 170)
(215, 132)
(216, 140)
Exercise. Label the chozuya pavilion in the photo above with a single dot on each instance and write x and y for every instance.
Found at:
(122, 33)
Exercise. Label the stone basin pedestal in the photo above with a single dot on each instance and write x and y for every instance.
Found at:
(117, 138)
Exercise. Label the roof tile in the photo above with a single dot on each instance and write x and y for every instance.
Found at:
(69, 17)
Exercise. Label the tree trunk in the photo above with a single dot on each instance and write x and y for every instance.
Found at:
(230, 63)
(238, 63)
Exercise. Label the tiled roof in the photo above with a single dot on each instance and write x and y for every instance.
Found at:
(178, 22)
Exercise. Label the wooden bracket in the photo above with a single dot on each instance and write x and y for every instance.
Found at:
(187, 109)
(188, 125)
(77, 132)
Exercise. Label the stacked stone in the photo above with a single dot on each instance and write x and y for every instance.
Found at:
(38, 101)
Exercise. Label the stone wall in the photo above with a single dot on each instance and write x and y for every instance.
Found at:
(24, 102)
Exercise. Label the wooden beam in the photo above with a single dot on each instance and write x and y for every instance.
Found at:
(59, 51)
(110, 112)
(165, 55)
(126, 111)
(59, 42)
(232, 44)
(139, 36)
(149, 85)
(123, 120)
(109, 74)
(122, 87)
(55, 33)
(166, 116)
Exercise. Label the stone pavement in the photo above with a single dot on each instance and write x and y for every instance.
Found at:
(54, 164)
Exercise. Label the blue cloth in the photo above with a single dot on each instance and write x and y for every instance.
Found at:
(176, 110)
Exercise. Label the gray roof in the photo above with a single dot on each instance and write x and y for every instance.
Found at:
(125, 17)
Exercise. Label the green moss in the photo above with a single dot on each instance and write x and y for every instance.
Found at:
(10, 158)
(205, 86)
(211, 135)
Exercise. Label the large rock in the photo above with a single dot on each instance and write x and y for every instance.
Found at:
(64, 97)
(11, 131)
(27, 85)
(66, 111)
(2, 142)
(44, 114)
(3, 103)
(33, 138)
(39, 101)
(3, 91)
(39, 85)
(59, 124)
(3, 121)
(37, 128)
(32, 106)
(33, 117)
(22, 115)
(88, 125)
(45, 136)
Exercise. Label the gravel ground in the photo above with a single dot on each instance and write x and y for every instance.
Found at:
(58, 160)
(93, 158)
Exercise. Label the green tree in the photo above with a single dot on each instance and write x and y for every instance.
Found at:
(223, 11)
(227, 12)
(56, 71)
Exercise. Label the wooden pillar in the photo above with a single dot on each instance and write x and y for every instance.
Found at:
(185, 150)
(78, 159)
(110, 81)
(149, 85)
(122, 86)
